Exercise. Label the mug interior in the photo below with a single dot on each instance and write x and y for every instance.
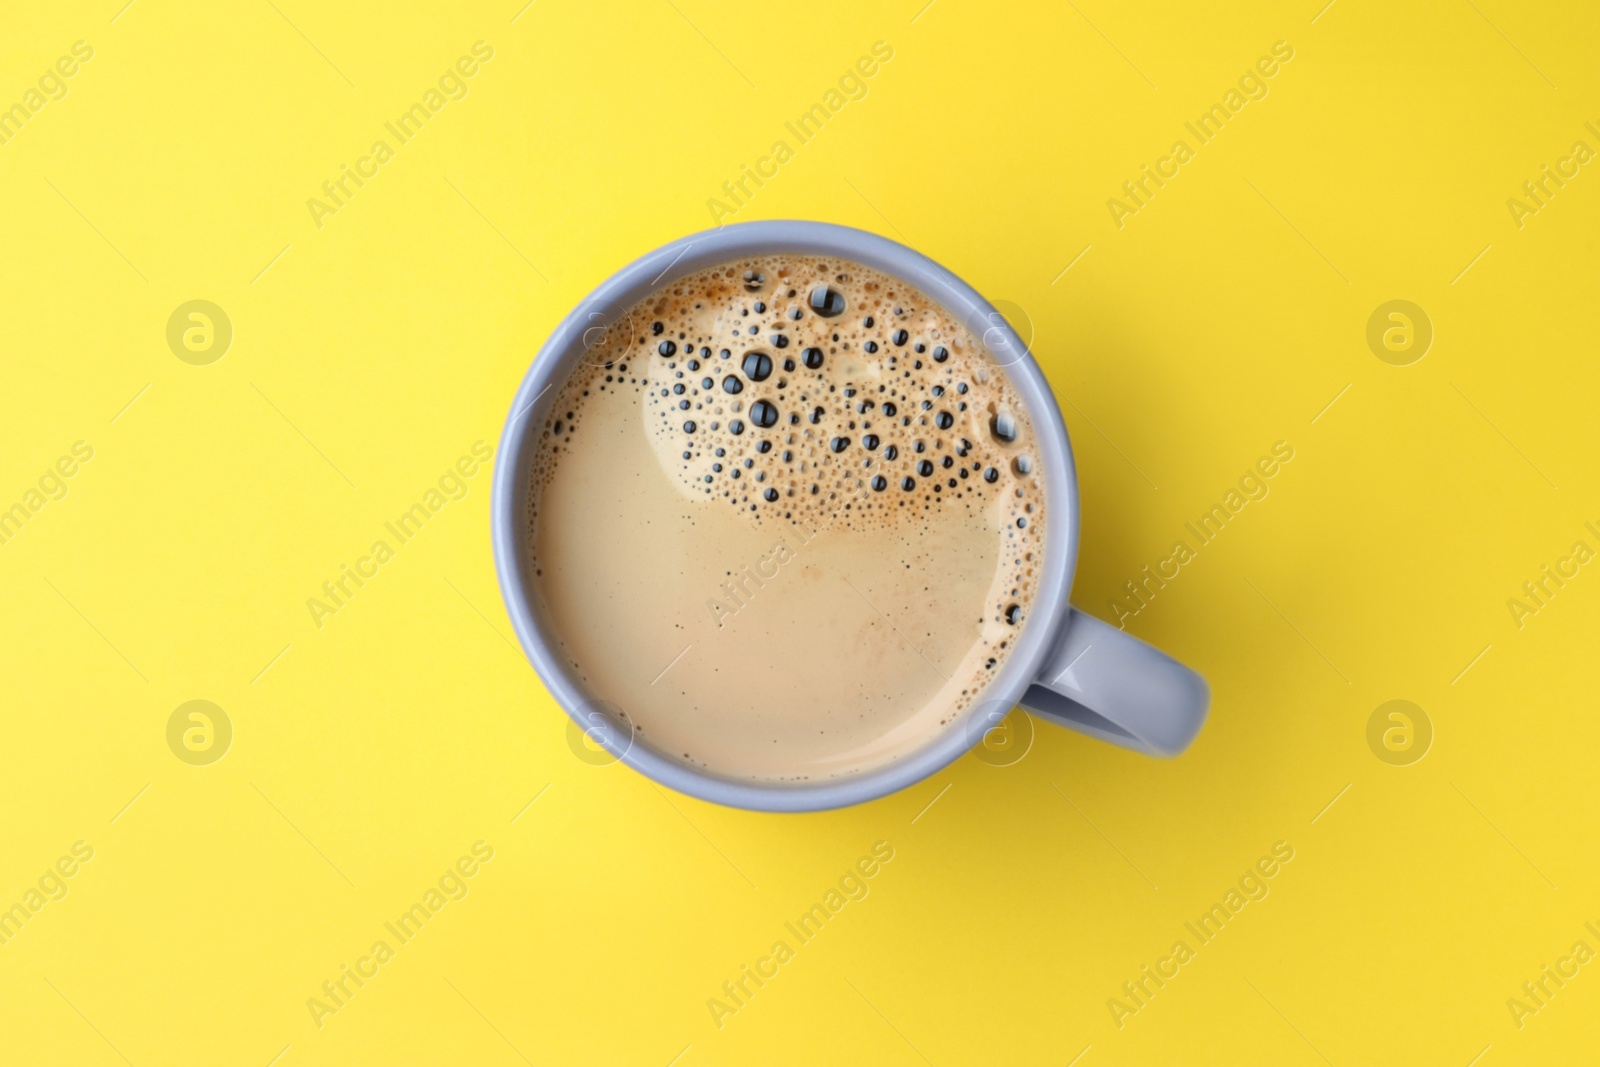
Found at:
(580, 331)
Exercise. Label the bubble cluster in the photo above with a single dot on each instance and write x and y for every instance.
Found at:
(857, 397)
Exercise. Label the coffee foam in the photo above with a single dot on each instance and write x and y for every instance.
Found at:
(795, 392)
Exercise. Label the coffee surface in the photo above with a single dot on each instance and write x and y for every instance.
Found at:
(786, 519)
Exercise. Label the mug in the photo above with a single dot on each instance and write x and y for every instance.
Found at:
(1067, 667)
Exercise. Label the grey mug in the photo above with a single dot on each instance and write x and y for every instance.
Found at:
(1067, 667)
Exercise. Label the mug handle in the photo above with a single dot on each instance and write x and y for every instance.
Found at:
(1106, 683)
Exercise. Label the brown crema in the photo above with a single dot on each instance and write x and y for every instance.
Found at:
(786, 519)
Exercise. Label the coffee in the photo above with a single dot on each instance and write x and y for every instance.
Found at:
(785, 522)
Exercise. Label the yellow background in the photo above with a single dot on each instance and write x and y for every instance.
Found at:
(370, 353)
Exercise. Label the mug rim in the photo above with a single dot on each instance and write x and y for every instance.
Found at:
(564, 348)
